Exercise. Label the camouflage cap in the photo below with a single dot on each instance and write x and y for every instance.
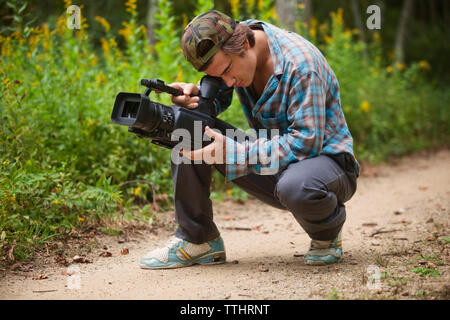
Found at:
(211, 25)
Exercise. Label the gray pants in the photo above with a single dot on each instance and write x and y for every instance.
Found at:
(314, 190)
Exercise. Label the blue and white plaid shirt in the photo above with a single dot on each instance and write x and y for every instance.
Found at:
(301, 100)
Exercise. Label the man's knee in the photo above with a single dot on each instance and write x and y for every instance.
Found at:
(308, 199)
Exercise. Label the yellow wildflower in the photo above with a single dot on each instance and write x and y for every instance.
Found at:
(400, 66)
(131, 7)
(136, 191)
(423, 64)
(185, 20)
(389, 69)
(5, 162)
(235, 6)
(61, 24)
(105, 46)
(81, 219)
(13, 198)
(94, 60)
(339, 16)
(229, 192)
(6, 82)
(56, 202)
(100, 78)
(127, 31)
(301, 6)
(53, 228)
(103, 22)
(143, 29)
(260, 5)
(365, 106)
(312, 27)
(180, 75)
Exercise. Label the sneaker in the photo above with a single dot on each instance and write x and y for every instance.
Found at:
(179, 253)
(324, 252)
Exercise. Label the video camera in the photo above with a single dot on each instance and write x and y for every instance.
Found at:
(155, 121)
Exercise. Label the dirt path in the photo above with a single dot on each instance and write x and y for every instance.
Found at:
(397, 222)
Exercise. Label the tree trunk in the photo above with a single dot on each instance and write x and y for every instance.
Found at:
(306, 13)
(358, 24)
(287, 12)
(152, 6)
(399, 49)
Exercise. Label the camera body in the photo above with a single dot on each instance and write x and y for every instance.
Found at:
(157, 122)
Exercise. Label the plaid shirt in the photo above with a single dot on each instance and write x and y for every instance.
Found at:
(301, 100)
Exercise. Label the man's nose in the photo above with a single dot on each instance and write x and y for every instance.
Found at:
(229, 81)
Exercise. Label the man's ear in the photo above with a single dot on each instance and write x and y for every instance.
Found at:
(246, 45)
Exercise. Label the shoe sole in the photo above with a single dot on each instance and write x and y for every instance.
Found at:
(320, 263)
(218, 258)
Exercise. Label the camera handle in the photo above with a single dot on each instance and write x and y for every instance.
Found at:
(159, 85)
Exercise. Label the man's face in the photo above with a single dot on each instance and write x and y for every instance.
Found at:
(236, 71)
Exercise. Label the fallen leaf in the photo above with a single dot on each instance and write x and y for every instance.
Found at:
(124, 251)
(161, 197)
(40, 277)
(423, 188)
(21, 266)
(227, 218)
(105, 254)
(61, 259)
(11, 251)
(78, 259)
(67, 273)
(261, 268)
(370, 224)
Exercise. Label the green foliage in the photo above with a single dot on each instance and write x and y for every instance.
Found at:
(426, 272)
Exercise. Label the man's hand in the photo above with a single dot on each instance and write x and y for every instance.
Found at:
(188, 89)
(213, 153)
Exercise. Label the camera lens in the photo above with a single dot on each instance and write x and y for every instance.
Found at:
(130, 109)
